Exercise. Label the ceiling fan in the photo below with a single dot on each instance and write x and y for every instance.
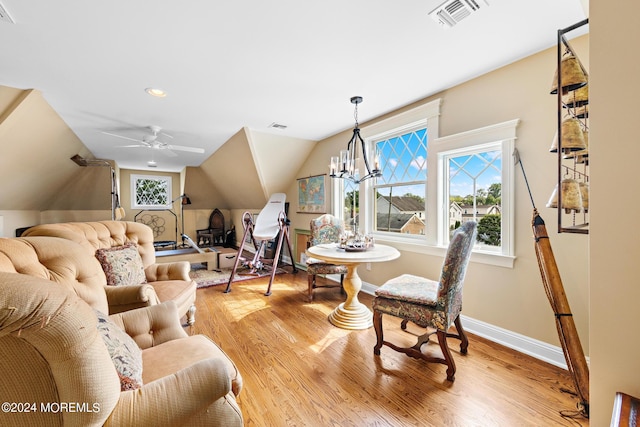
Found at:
(150, 140)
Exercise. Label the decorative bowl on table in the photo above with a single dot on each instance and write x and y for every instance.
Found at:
(355, 243)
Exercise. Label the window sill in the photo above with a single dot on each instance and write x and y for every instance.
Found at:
(479, 257)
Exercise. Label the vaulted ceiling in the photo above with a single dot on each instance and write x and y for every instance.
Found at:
(227, 66)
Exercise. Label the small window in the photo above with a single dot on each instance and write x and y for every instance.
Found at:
(474, 186)
(475, 181)
(150, 192)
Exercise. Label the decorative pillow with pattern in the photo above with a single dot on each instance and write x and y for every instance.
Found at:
(124, 352)
(122, 265)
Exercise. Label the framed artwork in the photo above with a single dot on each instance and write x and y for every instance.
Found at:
(311, 194)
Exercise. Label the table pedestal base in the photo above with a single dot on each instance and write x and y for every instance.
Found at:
(356, 316)
(352, 314)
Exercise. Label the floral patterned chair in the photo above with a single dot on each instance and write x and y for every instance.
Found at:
(431, 304)
(324, 229)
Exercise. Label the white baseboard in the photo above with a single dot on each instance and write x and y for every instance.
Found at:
(529, 346)
(540, 350)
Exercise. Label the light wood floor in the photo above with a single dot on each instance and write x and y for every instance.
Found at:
(299, 370)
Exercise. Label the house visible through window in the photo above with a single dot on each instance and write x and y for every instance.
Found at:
(430, 185)
(475, 180)
(150, 192)
(474, 189)
(401, 190)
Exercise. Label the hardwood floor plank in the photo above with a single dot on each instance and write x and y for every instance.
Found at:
(299, 370)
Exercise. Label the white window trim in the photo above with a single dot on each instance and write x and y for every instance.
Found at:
(424, 115)
(434, 244)
(428, 114)
(505, 134)
(135, 205)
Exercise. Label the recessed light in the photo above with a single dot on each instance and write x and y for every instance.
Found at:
(154, 91)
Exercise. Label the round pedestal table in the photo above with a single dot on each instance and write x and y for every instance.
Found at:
(352, 314)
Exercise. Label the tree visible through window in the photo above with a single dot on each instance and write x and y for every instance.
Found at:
(475, 191)
(401, 190)
(351, 207)
(151, 191)
(420, 198)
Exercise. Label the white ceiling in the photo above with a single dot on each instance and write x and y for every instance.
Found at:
(226, 65)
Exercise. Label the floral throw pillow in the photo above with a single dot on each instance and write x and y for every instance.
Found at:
(124, 352)
(122, 265)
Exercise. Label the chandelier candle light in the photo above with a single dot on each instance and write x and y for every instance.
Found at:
(345, 166)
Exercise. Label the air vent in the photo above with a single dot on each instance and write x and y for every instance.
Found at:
(277, 126)
(449, 13)
(4, 15)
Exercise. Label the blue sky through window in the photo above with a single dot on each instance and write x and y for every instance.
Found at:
(484, 167)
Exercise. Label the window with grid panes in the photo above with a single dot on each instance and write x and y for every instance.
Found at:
(400, 193)
(150, 192)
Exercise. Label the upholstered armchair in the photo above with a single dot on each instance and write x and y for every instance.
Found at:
(324, 229)
(431, 304)
(66, 363)
(167, 281)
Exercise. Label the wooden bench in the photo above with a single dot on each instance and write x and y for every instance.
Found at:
(210, 256)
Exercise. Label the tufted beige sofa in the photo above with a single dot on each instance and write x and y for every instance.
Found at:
(165, 281)
(51, 353)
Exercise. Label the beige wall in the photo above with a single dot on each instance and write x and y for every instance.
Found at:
(614, 250)
(277, 158)
(233, 171)
(599, 271)
(510, 298)
(165, 225)
(38, 181)
(35, 148)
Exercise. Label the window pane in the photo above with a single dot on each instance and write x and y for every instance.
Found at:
(402, 213)
(350, 215)
(404, 158)
(475, 193)
(151, 191)
(400, 192)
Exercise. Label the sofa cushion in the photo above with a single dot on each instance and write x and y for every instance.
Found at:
(124, 352)
(122, 265)
(175, 355)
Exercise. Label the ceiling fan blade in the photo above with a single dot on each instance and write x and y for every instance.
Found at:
(167, 152)
(183, 148)
(121, 136)
(132, 146)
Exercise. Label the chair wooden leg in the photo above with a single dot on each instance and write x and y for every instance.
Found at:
(377, 324)
(464, 342)
(191, 315)
(451, 365)
(311, 279)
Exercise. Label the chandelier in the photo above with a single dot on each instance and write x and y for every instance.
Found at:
(345, 166)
